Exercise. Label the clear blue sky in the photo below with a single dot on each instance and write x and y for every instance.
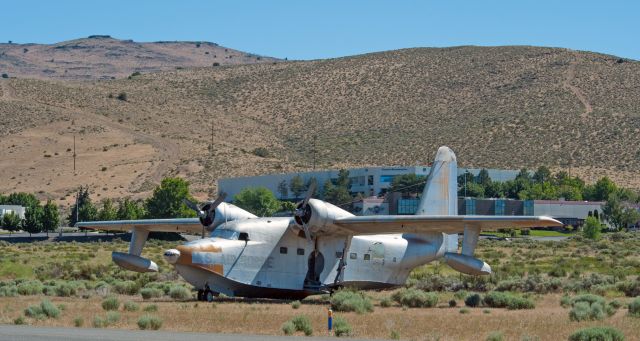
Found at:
(319, 29)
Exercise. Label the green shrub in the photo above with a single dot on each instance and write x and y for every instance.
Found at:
(565, 301)
(495, 336)
(78, 321)
(131, 306)
(180, 293)
(496, 299)
(473, 300)
(347, 300)
(9, 291)
(149, 322)
(395, 335)
(20, 320)
(583, 311)
(589, 298)
(597, 334)
(110, 303)
(288, 328)
(630, 288)
(634, 307)
(99, 322)
(49, 309)
(151, 308)
(415, 298)
(295, 304)
(34, 311)
(460, 294)
(453, 303)
(148, 293)
(30, 288)
(112, 317)
(341, 327)
(464, 310)
(302, 324)
(386, 302)
(65, 290)
(126, 288)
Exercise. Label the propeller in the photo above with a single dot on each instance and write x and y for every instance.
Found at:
(302, 213)
(206, 213)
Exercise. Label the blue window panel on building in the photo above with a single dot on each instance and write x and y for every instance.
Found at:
(499, 207)
(387, 178)
(470, 206)
(528, 207)
(407, 206)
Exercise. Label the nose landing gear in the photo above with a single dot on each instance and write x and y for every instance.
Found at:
(207, 294)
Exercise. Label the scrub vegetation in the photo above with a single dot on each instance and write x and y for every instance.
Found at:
(581, 282)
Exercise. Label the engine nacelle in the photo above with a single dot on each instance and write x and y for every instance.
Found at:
(320, 215)
(223, 213)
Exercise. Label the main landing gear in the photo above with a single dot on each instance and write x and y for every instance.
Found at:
(207, 294)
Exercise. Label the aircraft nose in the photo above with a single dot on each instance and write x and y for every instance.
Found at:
(171, 256)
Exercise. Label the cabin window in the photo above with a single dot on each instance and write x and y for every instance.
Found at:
(300, 252)
(367, 256)
(225, 234)
(353, 255)
(394, 259)
(338, 254)
(283, 250)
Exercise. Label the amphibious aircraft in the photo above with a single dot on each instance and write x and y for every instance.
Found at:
(322, 247)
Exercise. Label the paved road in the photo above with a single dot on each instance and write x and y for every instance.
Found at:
(27, 333)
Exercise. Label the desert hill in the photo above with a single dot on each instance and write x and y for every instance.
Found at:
(502, 107)
(103, 57)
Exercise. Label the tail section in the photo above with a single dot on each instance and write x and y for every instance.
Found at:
(440, 195)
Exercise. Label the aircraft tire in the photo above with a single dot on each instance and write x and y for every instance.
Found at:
(200, 295)
(208, 296)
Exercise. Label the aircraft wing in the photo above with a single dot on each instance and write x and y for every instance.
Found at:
(152, 225)
(446, 224)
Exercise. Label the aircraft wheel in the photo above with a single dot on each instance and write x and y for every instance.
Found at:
(209, 297)
(200, 295)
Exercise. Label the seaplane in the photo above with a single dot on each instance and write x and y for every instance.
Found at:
(322, 247)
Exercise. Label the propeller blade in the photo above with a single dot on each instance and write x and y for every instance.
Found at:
(194, 207)
(190, 204)
(312, 188)
(217, 202)
(307, 234)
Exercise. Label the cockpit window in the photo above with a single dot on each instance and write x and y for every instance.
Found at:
(225, 234)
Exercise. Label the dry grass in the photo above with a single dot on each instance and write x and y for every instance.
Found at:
(548, 321)
(497, 107)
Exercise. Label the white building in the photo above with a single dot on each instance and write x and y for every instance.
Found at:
(17, 209)
(371, 180)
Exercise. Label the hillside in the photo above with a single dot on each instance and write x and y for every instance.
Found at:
(103, 57)
(502, 107)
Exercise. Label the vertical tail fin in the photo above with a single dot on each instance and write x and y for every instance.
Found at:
(440, 195)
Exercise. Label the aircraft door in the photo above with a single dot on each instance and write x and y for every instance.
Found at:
(314, 269)
(377, 252)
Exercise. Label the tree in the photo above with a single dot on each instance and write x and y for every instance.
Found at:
(483, 178)
(50, 217)
(630, 216)
(543, 174)
(33, 219)
(475, 190)
(86, 211)
(591, 228)
(339, 193)
(129, 210)
(408, 184)
(166, 201)
(260, 201)
(288, 206)
(11, 221)
(283, 189)
(108, 211)
(601, 190)
(613, 211)
(297, 186)
(22, 199)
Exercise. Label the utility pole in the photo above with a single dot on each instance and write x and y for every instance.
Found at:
(211, 145)
(315, 137)
(74, 155)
